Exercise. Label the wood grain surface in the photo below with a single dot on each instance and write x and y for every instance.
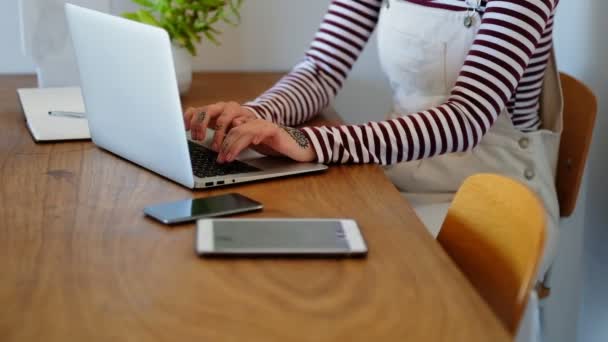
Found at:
(80, 262)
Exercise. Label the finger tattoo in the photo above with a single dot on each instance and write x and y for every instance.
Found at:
(200, 117)
(298, 136)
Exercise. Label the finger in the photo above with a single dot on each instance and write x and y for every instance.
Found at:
(253, 134)
(196, 121)
(188, 115)
(222, 125)
(262, 133)
(224, 122)
(232, 136)
(258, 138)
(193, 117)
(200, 122)
(223, 148)
(238, 145)
(242, 120)
(211, 113)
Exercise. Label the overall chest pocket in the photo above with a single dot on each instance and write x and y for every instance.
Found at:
(422, 50)
(414, 65)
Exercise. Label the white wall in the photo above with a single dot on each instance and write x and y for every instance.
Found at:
(275, 33)
(11, 58)
(561, 311)
(264, 41)
(583, 52)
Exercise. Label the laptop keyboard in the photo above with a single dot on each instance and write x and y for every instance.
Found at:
(204, 163)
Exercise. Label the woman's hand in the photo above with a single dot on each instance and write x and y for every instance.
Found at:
(219, 116)
(268, 138)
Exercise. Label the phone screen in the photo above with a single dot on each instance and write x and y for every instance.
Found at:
(284, 235)
(191, 209)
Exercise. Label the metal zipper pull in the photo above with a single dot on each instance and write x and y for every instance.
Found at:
(387, 3)
(472, 8)
(468, 20)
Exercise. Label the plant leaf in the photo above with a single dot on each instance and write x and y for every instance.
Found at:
(131, 15)
(235, 9)
(147, 18)
(144, 3)
(211, 38)
(190, 47)
(187, 21)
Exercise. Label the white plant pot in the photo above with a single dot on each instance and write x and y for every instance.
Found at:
(183, 68)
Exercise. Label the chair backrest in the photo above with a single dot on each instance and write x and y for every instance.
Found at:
(580, 110)
(495, 232)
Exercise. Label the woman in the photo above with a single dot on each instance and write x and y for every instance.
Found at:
(467, 79)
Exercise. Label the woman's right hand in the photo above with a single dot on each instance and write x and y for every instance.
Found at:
(218, 116)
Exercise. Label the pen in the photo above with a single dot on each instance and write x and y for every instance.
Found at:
(66, 114)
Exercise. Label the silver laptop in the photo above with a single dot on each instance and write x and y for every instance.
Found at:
(133, 106)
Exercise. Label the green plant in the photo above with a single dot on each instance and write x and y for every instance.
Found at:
(187, 21)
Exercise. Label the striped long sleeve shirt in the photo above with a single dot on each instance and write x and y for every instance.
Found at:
(504, 69)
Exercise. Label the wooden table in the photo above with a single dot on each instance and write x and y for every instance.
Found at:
(80, 262)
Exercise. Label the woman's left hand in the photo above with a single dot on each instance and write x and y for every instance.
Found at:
(267, 138)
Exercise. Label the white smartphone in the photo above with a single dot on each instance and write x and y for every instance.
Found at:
(313, 237)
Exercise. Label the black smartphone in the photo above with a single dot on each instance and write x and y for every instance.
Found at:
(195, 208)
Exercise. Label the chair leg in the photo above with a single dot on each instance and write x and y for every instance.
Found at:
(542, 290)
(543, 286)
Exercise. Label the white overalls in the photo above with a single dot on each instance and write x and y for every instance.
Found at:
(422, 50)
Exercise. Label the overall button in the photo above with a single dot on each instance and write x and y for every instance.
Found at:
(524, 143)
(529, 174)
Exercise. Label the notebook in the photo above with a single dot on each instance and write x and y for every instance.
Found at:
(36, 104)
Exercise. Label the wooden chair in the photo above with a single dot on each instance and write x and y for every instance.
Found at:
(580, 110)
(495, 232)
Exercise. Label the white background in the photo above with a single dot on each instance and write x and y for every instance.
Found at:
(275, 33)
